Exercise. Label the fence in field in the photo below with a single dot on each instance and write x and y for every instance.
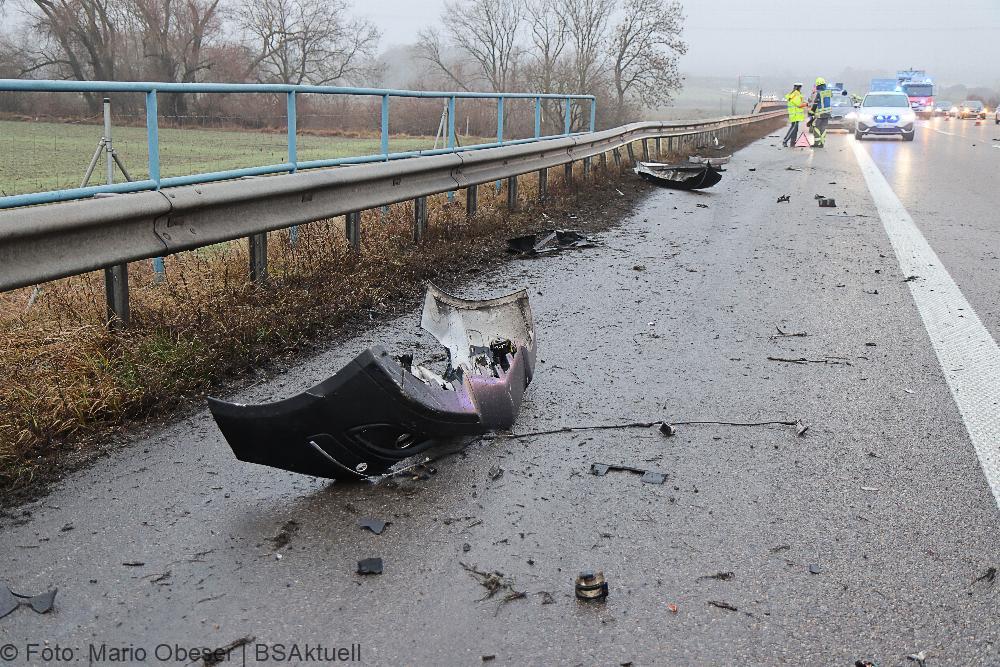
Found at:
(89, 228)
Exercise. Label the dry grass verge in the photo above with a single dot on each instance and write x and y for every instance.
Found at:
(69, 383)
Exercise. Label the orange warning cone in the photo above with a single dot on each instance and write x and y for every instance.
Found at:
(803, 141)
(979, 122)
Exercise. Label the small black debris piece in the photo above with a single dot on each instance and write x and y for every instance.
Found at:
(488, 658)
(814, 568)
(370, 566)
(784, 199)
(792, 169)
(285, 533)
(648, 476)
(722, 605)
(466, 547)
(373, 525)
(495, 473)
(864, 663)
(989, 576)
(547, 598)
(827, 202)
(667, 429)
(591, 585)
(702, 205)
(910, 279)
(133, 563)
(719, 576)
(919, 658)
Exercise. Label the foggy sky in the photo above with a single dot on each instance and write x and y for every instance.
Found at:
(957, 41)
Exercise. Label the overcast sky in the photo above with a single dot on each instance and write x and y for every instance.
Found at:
(957, 41)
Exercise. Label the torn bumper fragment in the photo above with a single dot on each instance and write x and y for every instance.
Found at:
(680, 176)
(380, 409)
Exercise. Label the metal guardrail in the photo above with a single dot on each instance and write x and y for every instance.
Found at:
(151, 89)
(44, 243)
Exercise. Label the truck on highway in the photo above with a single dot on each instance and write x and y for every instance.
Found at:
(883, 85)
(919, 88)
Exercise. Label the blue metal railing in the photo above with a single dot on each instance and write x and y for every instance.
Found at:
(151, 89)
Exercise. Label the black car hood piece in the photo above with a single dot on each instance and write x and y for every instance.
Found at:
(680, 176)
(380, 409)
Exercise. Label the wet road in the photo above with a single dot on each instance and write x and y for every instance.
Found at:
(674, 317)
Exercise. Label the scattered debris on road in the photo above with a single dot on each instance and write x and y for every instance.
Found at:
(494, 582)
(648, 476)
(918, 658)
(827, 202)
(989, 576)
(40, 604)
(910, 279)
(591, 585)
(672, 608)
(373, 525)
(495, 473)
(379, 410)
(786, 334)
(784, 199)
(370, 566)
(814, 568)
(722, 605)
(548, 242)
(221, 654)
(679, 176)
(284, 534)
(834, 361)
(719, 576)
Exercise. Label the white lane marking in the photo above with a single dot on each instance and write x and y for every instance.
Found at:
(969, 357)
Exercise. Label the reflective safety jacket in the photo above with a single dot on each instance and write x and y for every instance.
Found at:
(822, 102)
(796, 106)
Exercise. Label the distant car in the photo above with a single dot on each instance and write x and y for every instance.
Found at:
(971, 109)
(942, 108)
(842, 111)
(885, 114)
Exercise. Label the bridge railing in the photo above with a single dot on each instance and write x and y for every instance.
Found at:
(151, 90)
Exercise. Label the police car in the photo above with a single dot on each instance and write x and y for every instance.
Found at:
(885, 114)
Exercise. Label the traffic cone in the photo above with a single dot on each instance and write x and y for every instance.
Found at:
(803, 141)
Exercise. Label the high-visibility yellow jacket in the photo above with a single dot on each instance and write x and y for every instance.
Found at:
(796, 106)
(822, 102)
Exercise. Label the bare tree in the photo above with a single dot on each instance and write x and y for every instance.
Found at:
(587, 21)
(174, 34)
(487, 32)
(307, 41)
(644, 51)
(82, 39)
(545, 70)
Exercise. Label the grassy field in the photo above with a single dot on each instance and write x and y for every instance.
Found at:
(38, 156)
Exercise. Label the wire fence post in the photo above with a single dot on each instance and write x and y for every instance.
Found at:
(293, 154)
(568, 114)
(538, 117)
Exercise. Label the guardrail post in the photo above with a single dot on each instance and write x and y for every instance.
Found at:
(115, 277)
(604, 161)
(471, 200)
(512, 204)
(419, 219)
(631, 152)
(258, 257)
(586, 167)
(543, 184)
(568, 172)
(116, 292)
(645, 150)
(618, 158)
(352, 230)
(658, 151)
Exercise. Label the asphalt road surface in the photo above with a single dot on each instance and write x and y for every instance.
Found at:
(869, 537)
